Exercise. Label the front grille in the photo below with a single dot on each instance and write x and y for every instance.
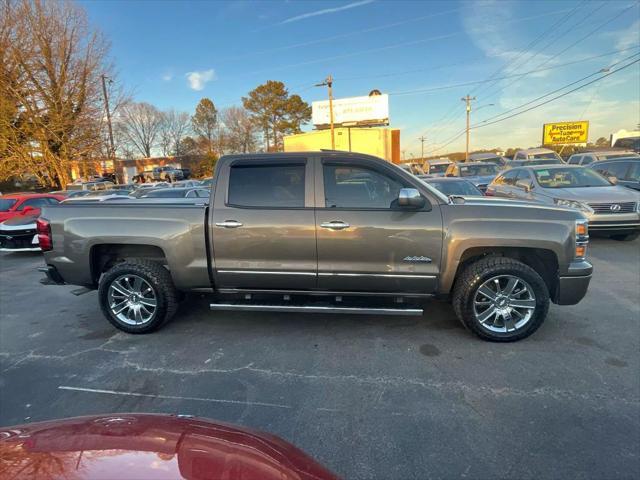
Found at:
(612, 208)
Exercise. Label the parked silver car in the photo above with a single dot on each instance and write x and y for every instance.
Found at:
(536, 154)
(588, 157)
(610, 208)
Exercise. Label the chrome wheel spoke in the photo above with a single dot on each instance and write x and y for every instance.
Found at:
(119, 307)
(511, 285)
(138, 314)
(149, 302)
(509, 324)
(487, 292)
(137, 285)
(486, 315)
(120, 289)
(524, 303)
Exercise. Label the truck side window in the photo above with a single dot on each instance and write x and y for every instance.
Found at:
(280, 186)
(359, 187)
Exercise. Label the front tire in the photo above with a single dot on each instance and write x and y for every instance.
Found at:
(137, 296)
(500, 299)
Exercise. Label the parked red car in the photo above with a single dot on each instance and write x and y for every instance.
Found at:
(141, 446)
(16, 204)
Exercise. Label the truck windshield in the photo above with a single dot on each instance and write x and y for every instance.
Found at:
(569, 178)
(478, 170)
(6, 204)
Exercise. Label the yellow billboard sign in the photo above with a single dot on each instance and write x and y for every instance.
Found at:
(565, 133)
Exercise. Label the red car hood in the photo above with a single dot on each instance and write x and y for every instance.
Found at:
(143, 446)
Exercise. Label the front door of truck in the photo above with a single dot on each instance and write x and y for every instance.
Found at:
(263, 224)
(366, 242)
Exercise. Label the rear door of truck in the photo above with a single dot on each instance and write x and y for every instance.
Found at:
(263, 223)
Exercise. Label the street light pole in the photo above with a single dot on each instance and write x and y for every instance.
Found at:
(112, 149)
(422, 140)
(329, 84)
(468, 99)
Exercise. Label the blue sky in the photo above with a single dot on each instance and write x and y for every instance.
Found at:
(172, 53)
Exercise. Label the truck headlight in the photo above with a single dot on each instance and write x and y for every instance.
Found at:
(583, 207)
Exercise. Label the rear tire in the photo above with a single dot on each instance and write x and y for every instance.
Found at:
(137, 296)
(507, 317)
(628, 237)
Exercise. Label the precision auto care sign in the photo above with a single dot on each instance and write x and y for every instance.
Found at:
(565, 133)
(369, 110)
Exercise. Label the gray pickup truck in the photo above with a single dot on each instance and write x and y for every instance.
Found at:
(322, 232)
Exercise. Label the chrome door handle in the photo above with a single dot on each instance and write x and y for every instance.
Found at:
(335, 225)
(229, 224)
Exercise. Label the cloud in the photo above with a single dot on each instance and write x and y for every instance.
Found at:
(167, 77)
(326, 11)
(198, 80)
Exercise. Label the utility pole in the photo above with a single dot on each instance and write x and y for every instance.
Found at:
(329, 84)
(422, 140)
(112, 149)
(468, 101)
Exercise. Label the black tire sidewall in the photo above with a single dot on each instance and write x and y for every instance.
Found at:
(525, 273)
(162, 309)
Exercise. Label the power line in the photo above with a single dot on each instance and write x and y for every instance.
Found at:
(483, 124)
(557, 97)
(465, 84)
(534, 42)
(562, 51)
(581, 39)
(602, 70)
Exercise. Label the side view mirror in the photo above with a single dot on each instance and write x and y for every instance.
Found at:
(410, 197)
(613, 180)
(27, 210)
(525, 185)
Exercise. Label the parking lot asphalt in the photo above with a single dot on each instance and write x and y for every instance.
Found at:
(367, 396)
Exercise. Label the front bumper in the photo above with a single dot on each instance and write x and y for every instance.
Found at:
(572, 287)
(621, 222)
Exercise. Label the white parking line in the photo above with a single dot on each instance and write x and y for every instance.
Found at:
(171, 397)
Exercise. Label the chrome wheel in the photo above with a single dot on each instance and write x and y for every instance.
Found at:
(504, 304)
(132, 300)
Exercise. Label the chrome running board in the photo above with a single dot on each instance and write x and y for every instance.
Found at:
(247, 307)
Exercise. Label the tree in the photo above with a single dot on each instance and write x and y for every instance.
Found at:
(50, 99)
(205, 122)
(275, 112)
(602, 142)
(138, 126)
(173, 128)
(240, 129)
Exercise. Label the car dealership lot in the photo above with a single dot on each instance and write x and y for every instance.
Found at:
(369, 397)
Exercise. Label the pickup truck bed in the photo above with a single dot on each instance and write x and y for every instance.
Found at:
(292, 227)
